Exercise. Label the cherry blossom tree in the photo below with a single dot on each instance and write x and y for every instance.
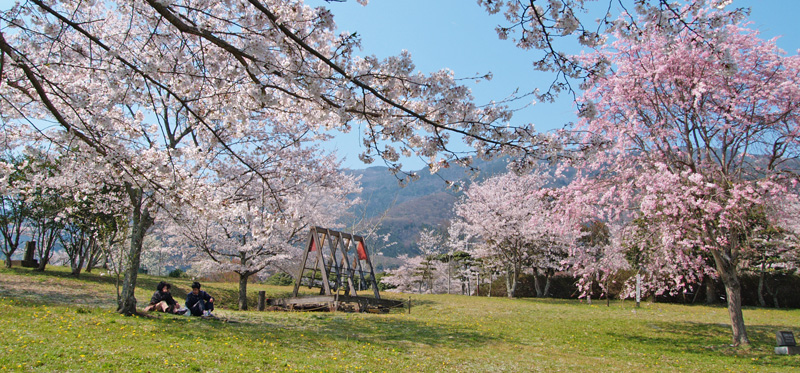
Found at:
(772, 248)
(596, 257)
(660, 268)
(511, 214)
(460, 264)
(13, 207)
(405, 278)
(553, 235)
(424, 273)
(430, 245)
(69, 204)
(247, 225)
(696, 128)
(555, 28)
(86, 220)
(157, 92)
(45, 218)
(418, 274)
(156, 255)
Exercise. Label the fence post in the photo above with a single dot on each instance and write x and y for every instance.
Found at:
(262, 300)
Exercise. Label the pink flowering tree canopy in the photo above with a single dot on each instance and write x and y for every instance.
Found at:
(512, 217)
(159, 92)
(242, 229)
(693, 130)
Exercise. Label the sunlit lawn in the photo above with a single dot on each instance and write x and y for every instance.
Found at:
(50, 322)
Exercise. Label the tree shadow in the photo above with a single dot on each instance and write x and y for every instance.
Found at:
(414, 301)
(402, 332)
(64, 272)
(41, 288)
(711, 340)
(312, 331)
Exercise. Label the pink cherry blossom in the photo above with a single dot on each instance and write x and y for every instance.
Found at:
(697, 127)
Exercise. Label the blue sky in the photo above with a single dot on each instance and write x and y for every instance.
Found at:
(459, 35)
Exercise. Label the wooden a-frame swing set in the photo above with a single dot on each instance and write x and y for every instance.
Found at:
(337, 272)
(339, 264)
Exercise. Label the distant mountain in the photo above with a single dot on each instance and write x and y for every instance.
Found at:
(428, 202)
(425, 203)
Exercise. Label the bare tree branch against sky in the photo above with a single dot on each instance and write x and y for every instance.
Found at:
(459, 35)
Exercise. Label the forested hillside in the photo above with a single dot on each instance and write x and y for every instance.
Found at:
(425, 203)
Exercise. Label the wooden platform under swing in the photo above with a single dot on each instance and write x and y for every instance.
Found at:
(339, 265)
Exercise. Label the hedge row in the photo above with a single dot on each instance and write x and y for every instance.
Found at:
(780, 290)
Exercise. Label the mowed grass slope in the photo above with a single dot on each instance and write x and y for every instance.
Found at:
(51, 322)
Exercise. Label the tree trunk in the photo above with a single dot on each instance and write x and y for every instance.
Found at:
(511, 281)
(638, 289)
(589, 294)
(44, 258)
(243, 290)
(430, 281)
(761, 300)
(76, 262)
(711, 290)
(775, 298)
(94, 255)
(47, 237)
(489, 295)
(449, 272)
(141, 221)
(77, 270)
(548, 277)
(509, 290)
(11, 245)
(537, 285)
(726, 267)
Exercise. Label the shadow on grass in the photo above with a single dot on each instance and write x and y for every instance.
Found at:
(57, 285)
(415, 302)
(64, 272)
(337, 329)
(52, 287)
(562, 301)
(310, 330)
(97, 283)
(712, 341)
(402, 332)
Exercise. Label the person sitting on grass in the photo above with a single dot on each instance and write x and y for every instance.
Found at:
(162, 300)
(199, 302)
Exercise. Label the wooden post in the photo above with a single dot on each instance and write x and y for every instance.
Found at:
(477, 284)
(409, 305)
(262, 300)
(28, 261)
(302, 270)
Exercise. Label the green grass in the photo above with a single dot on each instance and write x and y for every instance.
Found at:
(52, 322)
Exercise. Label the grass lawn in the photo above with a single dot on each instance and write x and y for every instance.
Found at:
(52, 322)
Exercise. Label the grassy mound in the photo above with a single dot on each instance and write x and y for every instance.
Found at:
(52, 322)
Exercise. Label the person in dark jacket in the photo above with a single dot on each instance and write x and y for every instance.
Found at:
(199, 302)
(162, 300)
